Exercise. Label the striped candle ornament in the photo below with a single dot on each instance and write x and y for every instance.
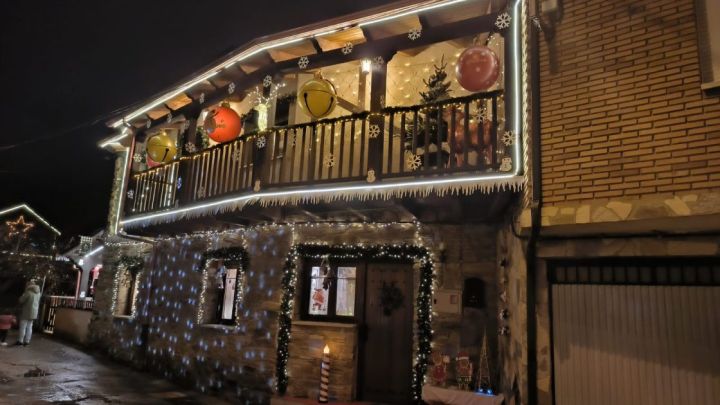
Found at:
(324, 376)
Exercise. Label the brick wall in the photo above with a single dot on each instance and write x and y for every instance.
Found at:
(622, 111)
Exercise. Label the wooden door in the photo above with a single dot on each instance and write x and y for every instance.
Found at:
(386, 335)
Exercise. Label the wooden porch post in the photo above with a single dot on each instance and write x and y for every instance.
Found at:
(378, 86)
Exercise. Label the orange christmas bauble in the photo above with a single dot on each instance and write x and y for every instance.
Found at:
(223, 124)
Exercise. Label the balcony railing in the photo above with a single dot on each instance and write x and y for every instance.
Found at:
(456, 135)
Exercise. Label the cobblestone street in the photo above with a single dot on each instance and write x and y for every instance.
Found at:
(75, 377)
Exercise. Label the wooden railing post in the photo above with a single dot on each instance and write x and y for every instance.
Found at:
(378, 85)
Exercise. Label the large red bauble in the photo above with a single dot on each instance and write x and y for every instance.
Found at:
(223, 124)
(477, 68)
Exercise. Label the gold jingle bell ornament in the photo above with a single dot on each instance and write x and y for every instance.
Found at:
(317, 97)
(161, 148)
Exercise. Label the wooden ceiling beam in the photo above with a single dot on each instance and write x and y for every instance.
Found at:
(382, 47)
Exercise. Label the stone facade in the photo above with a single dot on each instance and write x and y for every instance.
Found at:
(240, 361)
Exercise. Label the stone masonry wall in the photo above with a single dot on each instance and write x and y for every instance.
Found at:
(623, 114)
(240, 361)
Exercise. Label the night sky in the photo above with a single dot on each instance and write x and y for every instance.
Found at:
(66, 65)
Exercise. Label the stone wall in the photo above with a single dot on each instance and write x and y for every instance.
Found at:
(239, 361)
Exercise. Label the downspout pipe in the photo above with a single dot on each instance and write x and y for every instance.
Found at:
(535, 210)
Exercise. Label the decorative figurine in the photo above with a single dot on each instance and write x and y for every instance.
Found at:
(463, 371)
(439, 368)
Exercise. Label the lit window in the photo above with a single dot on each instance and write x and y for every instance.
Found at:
(330, 292)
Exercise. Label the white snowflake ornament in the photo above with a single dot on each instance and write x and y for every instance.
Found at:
(412, 161)
(347, 48)
(131, 194)
(482, 115)
(137, 158)
(202, 98)
(329, 160)
(378, 61)
(503, 21)
(200, 192)
(374, 131)
(148, 124)
(169, 118)
(267, 81)
(260, 142)
(508, 138)
(179, 183)
(415, 33)
(190, 147)
(303, 62)
(231, 88)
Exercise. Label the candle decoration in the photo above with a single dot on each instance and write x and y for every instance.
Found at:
(324, 376)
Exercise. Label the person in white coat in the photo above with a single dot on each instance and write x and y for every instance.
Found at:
(29, 302)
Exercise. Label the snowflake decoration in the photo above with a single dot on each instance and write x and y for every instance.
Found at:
(261, 142)
(148, 124)
(378, 61)
(237, 155)
(131, 194)
(508, 138)
(169, 118)
(200, 192)
(190, 147)
(202, 98)
(374, 131)
(329, 160)
(179, 183)
(267, 81)
(303, 62)
(412, 161)
(382, 101)
(415, 33)
(137, 158)
(231, 88)
(482, 115)
(347, 48)
(503, 21)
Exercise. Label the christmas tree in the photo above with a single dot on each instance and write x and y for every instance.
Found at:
(438, 88)
(483, 375)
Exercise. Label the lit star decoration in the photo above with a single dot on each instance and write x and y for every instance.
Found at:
(19, 226)
(401, 253)
(347, 48)
(267, 81)
(503, 21)
(374, 131)
(414, 34)
(508, 138)
(303, 62)
(412, 161)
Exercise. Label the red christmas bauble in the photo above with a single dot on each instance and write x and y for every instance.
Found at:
(223, 124)
(477, 68)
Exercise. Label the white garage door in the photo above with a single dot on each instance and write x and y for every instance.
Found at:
(636, 344)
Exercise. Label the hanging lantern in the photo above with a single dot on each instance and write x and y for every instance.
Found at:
(317, 97)
(161, 148)
(477, 68)
(223, 124)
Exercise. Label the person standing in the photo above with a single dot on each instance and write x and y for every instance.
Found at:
(6, 322)
(29, 301)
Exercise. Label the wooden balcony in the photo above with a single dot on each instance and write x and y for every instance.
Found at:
(395, 143)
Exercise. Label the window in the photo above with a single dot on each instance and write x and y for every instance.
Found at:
(126, 284)
(707, 12)
(223, 292)
(330, 292)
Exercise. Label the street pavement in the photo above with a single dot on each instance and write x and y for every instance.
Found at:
(76, 377)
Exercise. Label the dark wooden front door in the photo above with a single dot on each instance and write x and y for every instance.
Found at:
(386, 336)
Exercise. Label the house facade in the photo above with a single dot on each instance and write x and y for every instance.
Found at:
(409, 183)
